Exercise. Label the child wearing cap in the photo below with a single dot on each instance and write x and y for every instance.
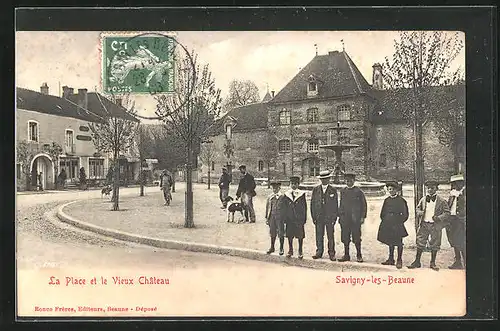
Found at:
(392, 230)
(273, 218)
(455, 230)
(294, 214)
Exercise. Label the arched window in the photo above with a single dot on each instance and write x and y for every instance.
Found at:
(285, 117)
(313, 86)
(261, 165)
(312, 115)
(33, 132)
(284, 146)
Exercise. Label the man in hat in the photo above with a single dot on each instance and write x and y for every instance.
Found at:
(224, 182)
(294, 214)
(246, 190)
(324, 207)
(273, 217)
(166, 182)
(392, 229)
(352, 213)
(432, 215)
(455, 230)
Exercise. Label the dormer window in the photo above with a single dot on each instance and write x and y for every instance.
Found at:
(312, 86)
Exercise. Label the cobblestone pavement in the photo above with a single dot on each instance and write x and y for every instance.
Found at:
(149, 217)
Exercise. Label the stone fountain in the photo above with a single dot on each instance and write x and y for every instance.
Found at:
(338, 169)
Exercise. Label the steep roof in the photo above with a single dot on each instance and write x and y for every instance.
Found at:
(337, 74)
(267, 97)
(54, 105)
(390, 103)
(50, 104)
(100, 105)
(248, 117)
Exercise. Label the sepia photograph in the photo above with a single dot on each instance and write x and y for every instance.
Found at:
(240, 173)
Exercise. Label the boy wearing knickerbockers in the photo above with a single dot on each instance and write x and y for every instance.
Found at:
(455, 231)
(432, 215)
(392, 229)
(294, 214)
(273, 218)
(352, 214)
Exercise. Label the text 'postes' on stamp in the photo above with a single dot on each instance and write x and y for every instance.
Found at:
(140, 64)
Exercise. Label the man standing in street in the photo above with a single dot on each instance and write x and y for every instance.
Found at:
(432, 215)
(224, 182)
(352, 214)
(166, 182)
(455, 230)
(324, 207)
(246, 190)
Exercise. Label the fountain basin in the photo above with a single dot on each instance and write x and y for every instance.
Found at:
(373, 189)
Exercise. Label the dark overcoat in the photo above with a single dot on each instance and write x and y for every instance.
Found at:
(246, 185)
(352, 205)
(324, 206)
(273, 216)
(294, 214)
(455, 230)
(393, 215)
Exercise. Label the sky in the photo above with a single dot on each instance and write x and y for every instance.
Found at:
(268, 58)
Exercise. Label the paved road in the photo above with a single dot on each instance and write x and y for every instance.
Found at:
(199, 284)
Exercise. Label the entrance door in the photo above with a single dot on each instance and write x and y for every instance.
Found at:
(310, 167)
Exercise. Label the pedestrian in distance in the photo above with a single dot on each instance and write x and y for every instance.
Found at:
(392, 229)
(274, 219)
(246, 190)
(352, 214)
(224, 182)
(166, 182)
(324, 210)
(455, 230)
(294, 215)
(432, 216)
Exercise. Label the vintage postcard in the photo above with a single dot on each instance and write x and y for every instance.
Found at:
(240, 173)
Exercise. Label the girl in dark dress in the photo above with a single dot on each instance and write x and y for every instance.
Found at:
(392, 230)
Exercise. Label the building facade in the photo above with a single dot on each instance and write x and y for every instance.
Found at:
(283, 135)
(43, 120)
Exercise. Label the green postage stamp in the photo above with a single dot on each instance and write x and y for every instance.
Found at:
(139, 64)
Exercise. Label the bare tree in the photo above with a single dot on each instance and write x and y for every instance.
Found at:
(241, 93)
(115, 134)
(190, 112)
(208, 154)
(395, 145)
(145, 148)
(420, 62)
(24, 156)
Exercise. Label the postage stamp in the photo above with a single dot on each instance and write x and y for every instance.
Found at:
(138, 63)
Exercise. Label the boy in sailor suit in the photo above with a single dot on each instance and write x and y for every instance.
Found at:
(294, 214)
(432, 215)
(273, 218)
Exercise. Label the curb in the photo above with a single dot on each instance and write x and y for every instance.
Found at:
(221, 250)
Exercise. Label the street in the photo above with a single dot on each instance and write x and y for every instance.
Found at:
(199, 284)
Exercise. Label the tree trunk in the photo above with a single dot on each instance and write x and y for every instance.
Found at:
(188, 221)
(173, 180)
(116, 183)
(419, 164)
(141, 180)
(209, 178)
(268, 174)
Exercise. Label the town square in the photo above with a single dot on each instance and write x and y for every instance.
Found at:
(307, 160)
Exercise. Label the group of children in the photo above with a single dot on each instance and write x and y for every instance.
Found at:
(286, 215)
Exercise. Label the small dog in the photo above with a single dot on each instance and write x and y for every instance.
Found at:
(232, 208)
(106, 190)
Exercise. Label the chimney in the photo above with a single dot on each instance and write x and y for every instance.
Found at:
(272, 94)
(44, 89)
(119, 101)
(377, 78)
(65, 93)
(83, 99)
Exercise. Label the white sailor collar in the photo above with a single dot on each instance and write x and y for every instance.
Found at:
(298, 194)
